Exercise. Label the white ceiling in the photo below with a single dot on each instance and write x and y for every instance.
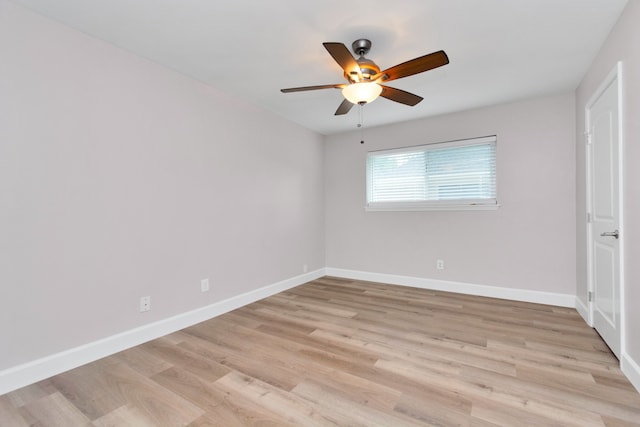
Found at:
(500, 50)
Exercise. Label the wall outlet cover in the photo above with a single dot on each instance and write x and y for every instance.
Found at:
(145, 304)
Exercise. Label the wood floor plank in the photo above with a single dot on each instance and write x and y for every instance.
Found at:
(141, 361)
(330, 402)
(222, 408)
(35, 391)
(261, 365)
(162, 405)
(89, 390)
(350, 353)
(287, 405)
(126, 415)
(9, 414)
(54, 411)
(570, 384)
(596, 401)
(433, 411)
(495, 414)
(178, 356)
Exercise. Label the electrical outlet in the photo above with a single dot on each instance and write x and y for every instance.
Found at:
(440, 264)
(305, 268)
(145, 304)
(204, 285)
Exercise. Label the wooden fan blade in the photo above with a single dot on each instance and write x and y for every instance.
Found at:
(301, 89)
(342, 56)
(344, 108)
(400, 96)
(414, 66)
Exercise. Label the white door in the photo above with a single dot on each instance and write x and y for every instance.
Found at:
(604, 149)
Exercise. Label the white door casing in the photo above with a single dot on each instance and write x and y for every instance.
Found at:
(603, 130)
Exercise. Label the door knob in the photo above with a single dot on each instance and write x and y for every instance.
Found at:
(613, 233)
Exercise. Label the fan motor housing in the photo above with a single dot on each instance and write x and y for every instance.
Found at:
(368, 68)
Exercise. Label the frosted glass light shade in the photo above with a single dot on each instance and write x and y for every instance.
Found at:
(362, 92)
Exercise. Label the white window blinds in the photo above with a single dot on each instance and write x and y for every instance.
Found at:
(444, 175)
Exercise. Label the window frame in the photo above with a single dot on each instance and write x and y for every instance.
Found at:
(431, 205)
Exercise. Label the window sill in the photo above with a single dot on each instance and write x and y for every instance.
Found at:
(443, 207)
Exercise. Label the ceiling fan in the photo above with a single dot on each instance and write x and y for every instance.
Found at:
(364, 78)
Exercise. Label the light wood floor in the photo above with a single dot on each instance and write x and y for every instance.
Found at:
(350, 353)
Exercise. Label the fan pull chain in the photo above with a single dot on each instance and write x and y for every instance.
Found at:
(361, 121)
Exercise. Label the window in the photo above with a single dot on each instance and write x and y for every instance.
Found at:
(448, 175)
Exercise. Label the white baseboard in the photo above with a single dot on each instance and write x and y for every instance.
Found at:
(583, 310)
(562, 300)
(37, 370)
(631, 369)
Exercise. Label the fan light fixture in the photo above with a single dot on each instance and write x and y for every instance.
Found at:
(364, 80)
(362, 93)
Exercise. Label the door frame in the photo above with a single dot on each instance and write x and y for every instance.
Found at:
(614, 77)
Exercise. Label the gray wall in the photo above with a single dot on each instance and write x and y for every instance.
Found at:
(623, 45)
(528, 243)
(120, 178)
